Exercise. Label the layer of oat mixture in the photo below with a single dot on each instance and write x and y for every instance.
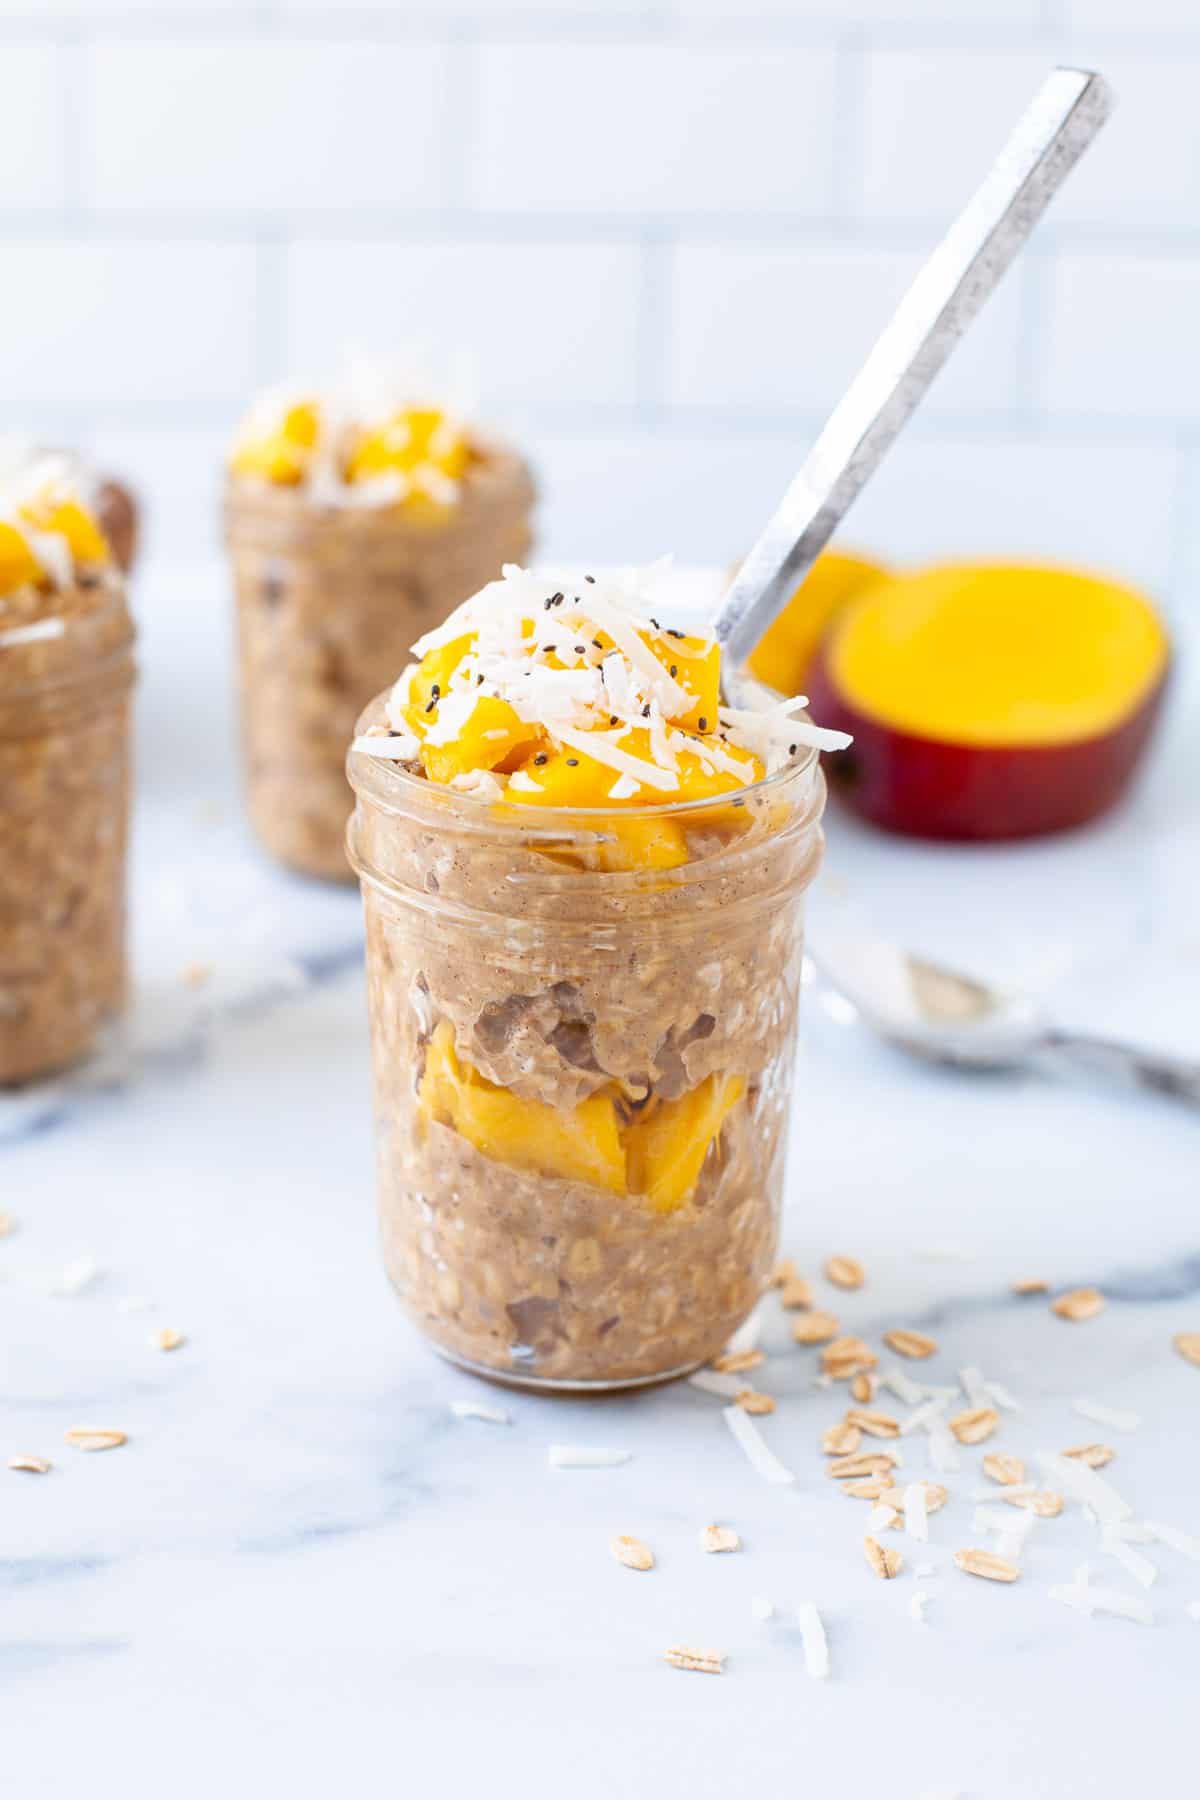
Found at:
(66, 672)
(583, 1009)
(356, 518)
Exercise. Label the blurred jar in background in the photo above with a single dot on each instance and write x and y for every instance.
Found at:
(354, 524)
(66, 677)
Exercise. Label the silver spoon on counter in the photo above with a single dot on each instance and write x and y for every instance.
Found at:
(933, 1012)
(951, 1018)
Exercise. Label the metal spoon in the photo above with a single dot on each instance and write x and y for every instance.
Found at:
(948, 1017)
(1049, 139)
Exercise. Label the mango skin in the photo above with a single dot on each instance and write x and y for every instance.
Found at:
(920, 787)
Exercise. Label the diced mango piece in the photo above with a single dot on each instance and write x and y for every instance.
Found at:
(435, 669)
(406, 443)
(491, 736)
(84, 538)
(281, 456)
(696, 666)
(580, 1145)
(19, 567)
(666, 1149)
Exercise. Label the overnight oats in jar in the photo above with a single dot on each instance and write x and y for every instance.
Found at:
(583, 880)
(66, 677)
(354, 521)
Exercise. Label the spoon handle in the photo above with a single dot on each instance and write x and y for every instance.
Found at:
(1053, 133)
(1174, 1076)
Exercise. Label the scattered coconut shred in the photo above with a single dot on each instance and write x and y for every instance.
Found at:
(596, 695)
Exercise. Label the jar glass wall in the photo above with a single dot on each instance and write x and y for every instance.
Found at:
(330, 597)
(64, 808)
(582, 1068)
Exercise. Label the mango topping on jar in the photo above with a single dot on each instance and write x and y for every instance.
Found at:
(548, 689)
(403, 454)
(47, 533)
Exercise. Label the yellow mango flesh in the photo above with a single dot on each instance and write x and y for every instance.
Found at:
(403, 443)
(699, 673)
(998, 655)
(581, 1145)
(69, 520)
(19, 567)
(785, 652)
(281, 456)
(491, 736)
(666, 1150)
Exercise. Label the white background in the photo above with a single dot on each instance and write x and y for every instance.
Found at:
(667, 231)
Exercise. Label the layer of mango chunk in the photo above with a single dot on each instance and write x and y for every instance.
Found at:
(659, 1157)
(54, 514)
(494, 738)
(419, 443)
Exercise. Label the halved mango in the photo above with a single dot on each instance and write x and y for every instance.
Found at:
(580, 1145)
(784, 654)
(666, 1149)
(990, 701)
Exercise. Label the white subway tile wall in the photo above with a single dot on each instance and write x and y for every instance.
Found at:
(664, 231)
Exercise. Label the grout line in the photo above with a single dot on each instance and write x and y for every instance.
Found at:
(653, 337)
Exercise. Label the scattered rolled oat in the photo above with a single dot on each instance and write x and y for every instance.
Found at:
(972, 1426)
(715, 1539)
(95, 1437)
(31, 1465)
(1080, 1303)
(887, 1564)
(1188, 1345)
(841, 1439)
(984, 1564)
(631, 1552)
(737, 1362)
(847, 1356)
(783, 1272)
(168, 1339)
(846, 1468)
(1094, 1455)
(1005, 1469)
(751, 1401)
(815, 1328)
(862, 1387)
(875, 1424)
(913, 1344)
(874, 1487)
(705, 1662)
(797, 1294)
(1045, 1504)
(1031, 1284)
(845, 1272)
(7, 1225)
(195, 974)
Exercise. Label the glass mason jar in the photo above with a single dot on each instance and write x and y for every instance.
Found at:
(582, 1070)
(330, 598)
(65, 705)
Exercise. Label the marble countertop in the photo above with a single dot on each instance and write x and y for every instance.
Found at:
(303, 1575)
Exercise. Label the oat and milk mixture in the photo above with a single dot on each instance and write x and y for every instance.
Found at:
(66, 672)
(354, 522)
(583, 879)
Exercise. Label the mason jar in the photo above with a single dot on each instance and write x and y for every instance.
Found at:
(66, 680)
(330, 597)
(582, 1067)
